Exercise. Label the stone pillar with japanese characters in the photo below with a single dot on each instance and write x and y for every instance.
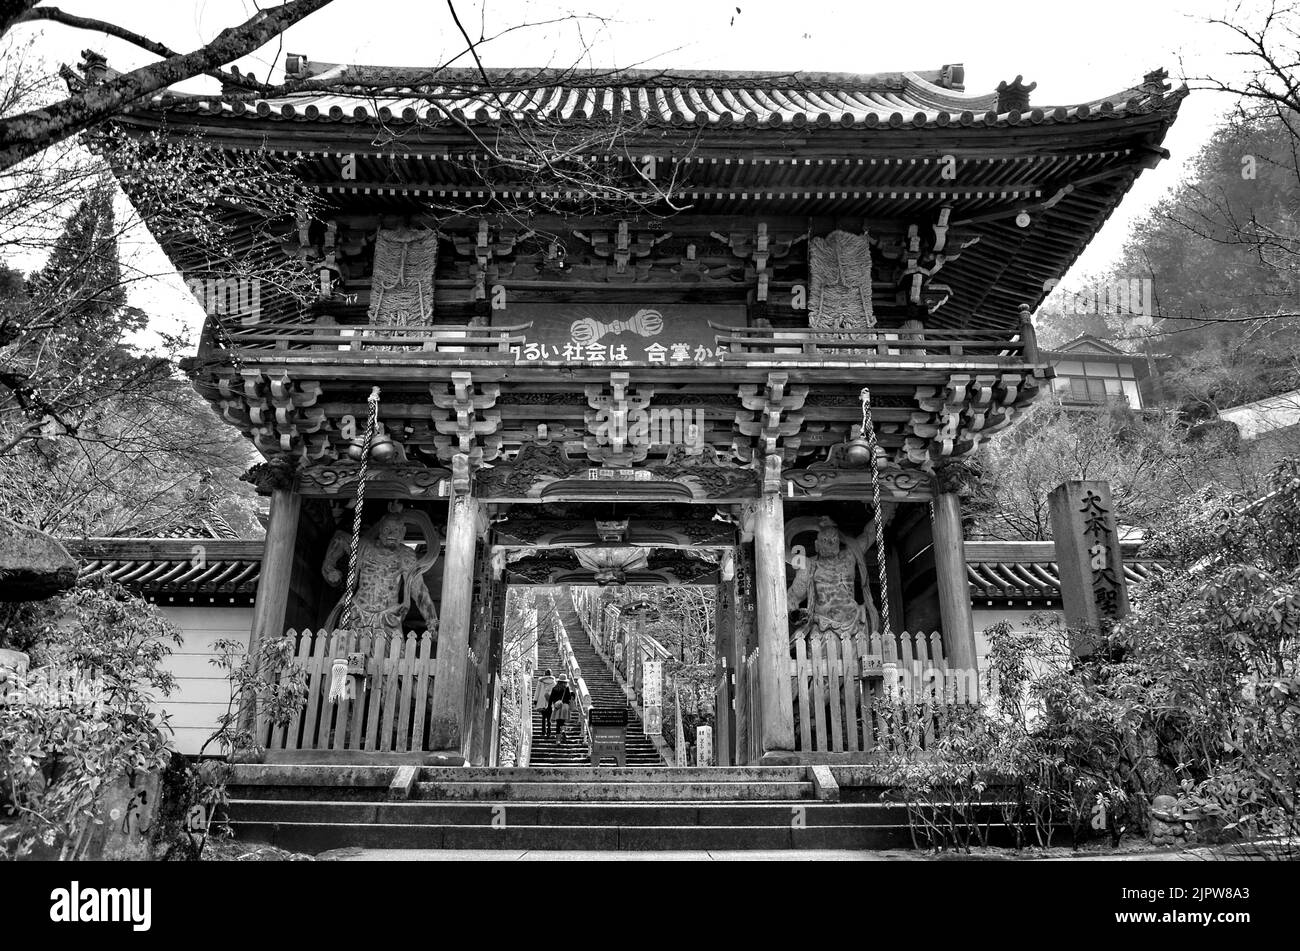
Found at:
(1093, 592)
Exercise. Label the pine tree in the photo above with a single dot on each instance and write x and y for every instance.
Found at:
(97, 438)
(74, 320)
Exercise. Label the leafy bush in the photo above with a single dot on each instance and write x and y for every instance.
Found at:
(84, 716)
(268, 682)
(1196, 694)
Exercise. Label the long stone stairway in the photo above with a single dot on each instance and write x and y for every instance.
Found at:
(604, 689)
(549, 751)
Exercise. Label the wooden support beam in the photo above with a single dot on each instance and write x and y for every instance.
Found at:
(447, 732)
(272, 599)
(725, 635)
(954, 592)
(777, 719)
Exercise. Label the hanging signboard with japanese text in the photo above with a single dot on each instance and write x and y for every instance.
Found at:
(667, 334)
(652, 696)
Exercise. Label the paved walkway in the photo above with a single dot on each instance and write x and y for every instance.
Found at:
(751, 855)
(515, 855)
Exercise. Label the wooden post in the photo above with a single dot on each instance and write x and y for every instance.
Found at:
(954, 590)
(492, 725)
(447, 731)
(272, 599)
(894, 583)
(1028, 335)
(777, 705)
(277, 565)
(725, 634)
(742, 644)
(1093, 590)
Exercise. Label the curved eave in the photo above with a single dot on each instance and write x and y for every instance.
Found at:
(657, 109)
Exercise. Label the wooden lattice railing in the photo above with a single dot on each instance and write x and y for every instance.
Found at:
(358, 342)
(354, 342)
(864, 694)
(898, 344)
(390, 711)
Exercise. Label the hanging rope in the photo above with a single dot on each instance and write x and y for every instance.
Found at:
(869, 433)
(371, 425)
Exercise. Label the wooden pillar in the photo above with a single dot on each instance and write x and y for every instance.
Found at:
(447, 729)
(742, 644)
(272, 599)
(954, 589)
(496, 648)
(277, 567)
(777, 705)
(725, 635)
(894, 584)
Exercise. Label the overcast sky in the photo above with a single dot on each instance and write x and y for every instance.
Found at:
(1074, 51)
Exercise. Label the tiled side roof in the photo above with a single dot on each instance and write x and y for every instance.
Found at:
(1027, 571)
(1030, 581)
(170, 570)
(345, 94)
(217, 571)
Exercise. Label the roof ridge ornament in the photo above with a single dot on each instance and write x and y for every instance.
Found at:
(1156, 81)
(1014, 96)
(94, 67)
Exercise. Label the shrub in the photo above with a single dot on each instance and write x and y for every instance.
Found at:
(84, 716)
(1196, 693)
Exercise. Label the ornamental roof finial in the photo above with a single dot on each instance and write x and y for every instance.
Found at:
(1014, 95)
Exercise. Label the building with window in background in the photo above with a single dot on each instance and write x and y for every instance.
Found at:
(1090, 371)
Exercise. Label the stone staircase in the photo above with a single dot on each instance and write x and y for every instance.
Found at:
(316, 808)
(549, 751)
(604, 689)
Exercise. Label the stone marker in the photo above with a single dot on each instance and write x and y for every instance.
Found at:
(127, 811)
(33, 565)
(13, 667)
(704, 746)
(1093, 591)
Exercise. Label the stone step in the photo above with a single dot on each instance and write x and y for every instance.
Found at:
(663, 774)
(567, 813)
(318, 837)
(571, 790)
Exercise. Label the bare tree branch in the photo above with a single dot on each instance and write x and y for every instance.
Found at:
(55, 15)
(25, 135)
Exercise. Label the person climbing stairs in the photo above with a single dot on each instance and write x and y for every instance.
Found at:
(549, 750)
(604, 688)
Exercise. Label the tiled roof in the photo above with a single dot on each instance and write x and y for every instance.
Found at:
(1027, 571)
(216, 571)
(324, 92)
(170, 570)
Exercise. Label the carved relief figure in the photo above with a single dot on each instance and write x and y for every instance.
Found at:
(840, 271)
(827, 583)
(403, 276)
(389, 577)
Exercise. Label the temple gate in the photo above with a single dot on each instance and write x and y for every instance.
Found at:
(749, 353)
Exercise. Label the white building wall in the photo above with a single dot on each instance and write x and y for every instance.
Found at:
(1265, 416)
(1018, 618)
(202, 690)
